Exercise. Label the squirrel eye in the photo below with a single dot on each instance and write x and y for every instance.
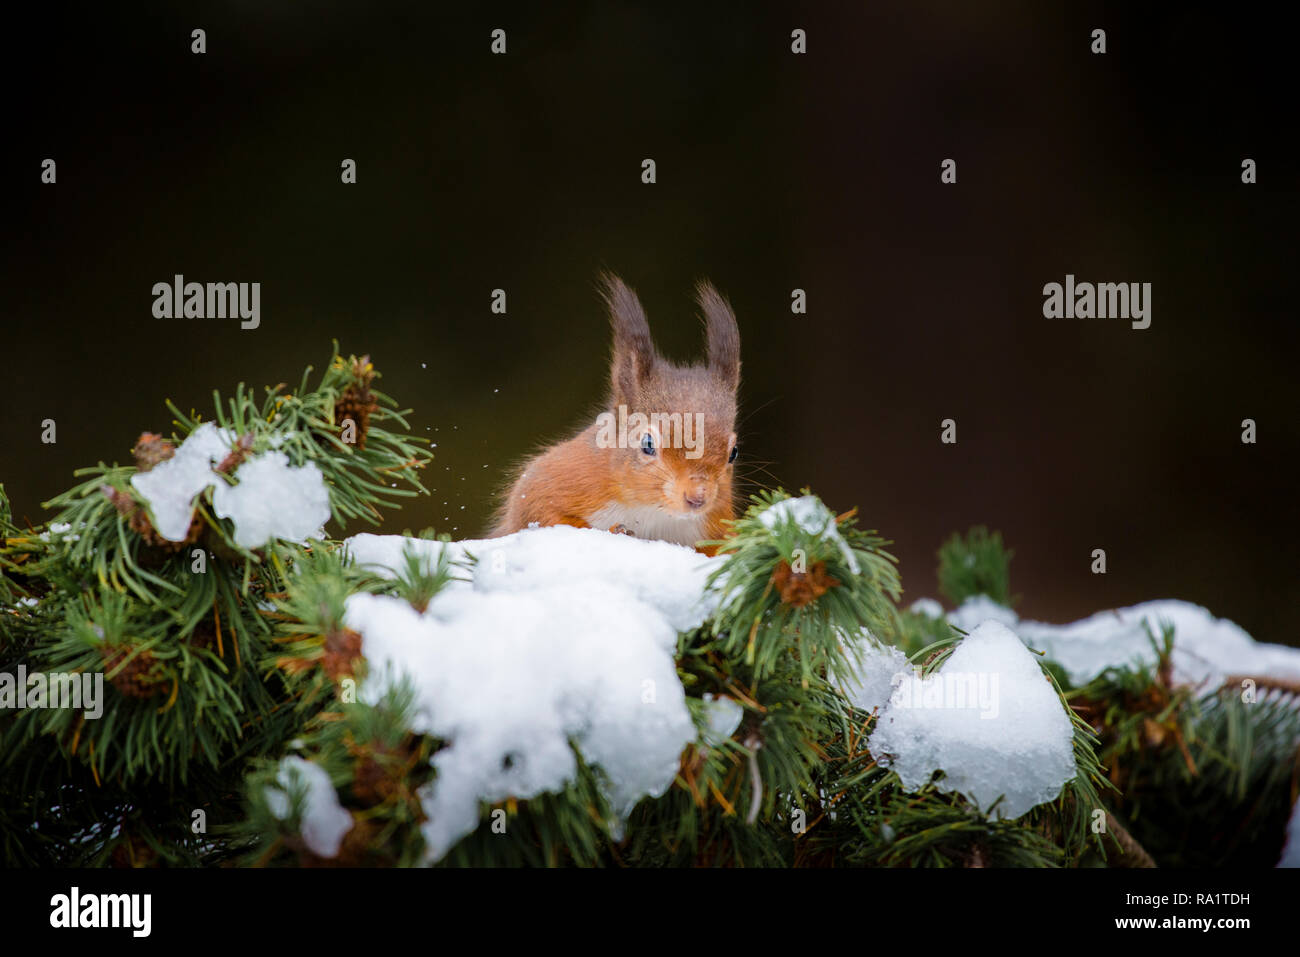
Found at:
(648, 444)
(735, 450)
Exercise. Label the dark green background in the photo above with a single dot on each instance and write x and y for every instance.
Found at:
(775, 172)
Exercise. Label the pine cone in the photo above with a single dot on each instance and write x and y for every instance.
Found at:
(380, 772)
(142, 677)
(357, 403)
(372, 783)
(235, 458)
(150, 449)
(802, 588)
(144, 528)
(138, 520)
(342, 649)
(124, 503)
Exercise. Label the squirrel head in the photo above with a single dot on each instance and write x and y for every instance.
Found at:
(679, 442)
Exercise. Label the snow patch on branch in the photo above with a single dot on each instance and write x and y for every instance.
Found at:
(274, 500)
(170, 486)
(271, 500)
(560, 635)
(1206, 649)
(880, 671)
(988, 717)
(812, 516)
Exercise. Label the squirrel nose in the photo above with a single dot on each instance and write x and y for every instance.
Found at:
(695, 500)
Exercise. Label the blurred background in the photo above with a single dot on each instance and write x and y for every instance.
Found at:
(775, 172)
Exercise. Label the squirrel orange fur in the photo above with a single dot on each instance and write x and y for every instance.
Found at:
(657, 463)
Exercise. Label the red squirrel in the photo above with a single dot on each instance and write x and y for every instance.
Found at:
(657, 462)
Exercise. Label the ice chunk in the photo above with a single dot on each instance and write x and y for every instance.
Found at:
(273, 500)
(324, 822)
(811, 515)
(988, 718)
(170, 486)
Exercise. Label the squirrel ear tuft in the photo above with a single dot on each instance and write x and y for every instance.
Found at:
(722, 334)
(634, 350)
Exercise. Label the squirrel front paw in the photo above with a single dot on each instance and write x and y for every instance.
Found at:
(621, 529)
